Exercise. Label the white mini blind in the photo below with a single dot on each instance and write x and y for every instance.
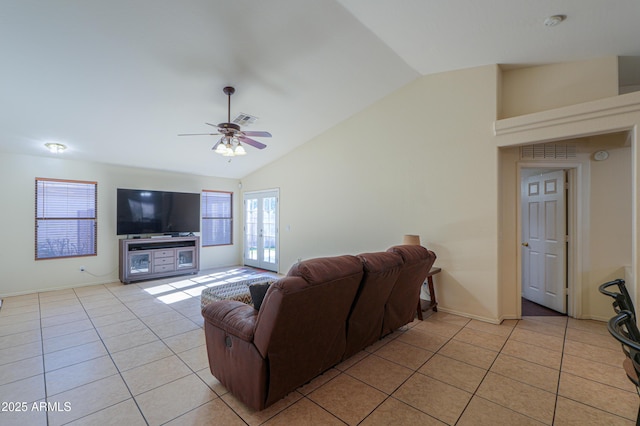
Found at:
(217, 218)
(65, 218)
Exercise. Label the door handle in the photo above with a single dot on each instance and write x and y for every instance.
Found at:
(525, 244)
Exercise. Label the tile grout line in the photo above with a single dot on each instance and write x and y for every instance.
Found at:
(44, 369)
(174, 354)
(114, 364)
(474, 393)
(485, 374)
(206, 384)
(564, 341)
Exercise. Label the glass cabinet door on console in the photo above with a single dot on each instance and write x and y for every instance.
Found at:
(139, 263)
(186, 258)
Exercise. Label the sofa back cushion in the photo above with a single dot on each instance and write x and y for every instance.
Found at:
(404, 298)
(364, 326)
(301, 326)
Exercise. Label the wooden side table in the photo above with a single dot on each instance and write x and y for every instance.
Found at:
(432, 294)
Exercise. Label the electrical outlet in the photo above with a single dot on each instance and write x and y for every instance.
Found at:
(82, 269)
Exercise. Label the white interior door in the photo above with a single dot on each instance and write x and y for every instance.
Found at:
(544, 230)
(261, 230)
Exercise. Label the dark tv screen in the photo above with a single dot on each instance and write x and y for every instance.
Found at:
(157, 212)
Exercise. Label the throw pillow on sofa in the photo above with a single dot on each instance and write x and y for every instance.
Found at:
(258, 291)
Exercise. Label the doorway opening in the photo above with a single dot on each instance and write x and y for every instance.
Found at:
(545, 238)
(549, 220)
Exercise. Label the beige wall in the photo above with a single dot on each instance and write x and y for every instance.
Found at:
(420, 161)
(611, 221)
(424, 160)
(22, 274)
(545, 87)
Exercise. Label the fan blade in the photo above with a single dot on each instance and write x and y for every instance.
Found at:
(198, 134)
(253, 143)
(257, 133)
(212, 125)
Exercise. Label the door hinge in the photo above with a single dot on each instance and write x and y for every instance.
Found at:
(566, 238)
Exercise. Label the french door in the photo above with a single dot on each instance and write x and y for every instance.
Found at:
(261, 229)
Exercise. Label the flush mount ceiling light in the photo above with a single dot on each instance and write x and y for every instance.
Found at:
(55, 148)
(554, 20)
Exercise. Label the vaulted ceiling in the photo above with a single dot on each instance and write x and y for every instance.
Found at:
(117, 81)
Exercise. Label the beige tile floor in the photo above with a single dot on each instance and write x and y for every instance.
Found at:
(135, 354)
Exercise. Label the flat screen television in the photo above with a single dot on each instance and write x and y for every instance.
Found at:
(157, 212)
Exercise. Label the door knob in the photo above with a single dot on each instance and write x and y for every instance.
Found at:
(525, 244)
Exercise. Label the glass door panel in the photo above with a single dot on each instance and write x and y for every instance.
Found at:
(186, 258)
(139, 263)
(269, 229)
(251, 229)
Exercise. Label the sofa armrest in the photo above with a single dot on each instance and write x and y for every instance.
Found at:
(236, 318)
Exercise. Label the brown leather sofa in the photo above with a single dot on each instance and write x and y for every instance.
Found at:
(322, 312)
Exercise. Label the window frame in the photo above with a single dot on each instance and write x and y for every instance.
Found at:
(94, 218)
(221, 218)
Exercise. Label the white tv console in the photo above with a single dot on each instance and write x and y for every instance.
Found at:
(150, 258)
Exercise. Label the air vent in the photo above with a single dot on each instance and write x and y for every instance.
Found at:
(244, 119)
(548, 151)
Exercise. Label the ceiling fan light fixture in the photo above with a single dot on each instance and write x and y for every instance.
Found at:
(221, 148)
(239, 150)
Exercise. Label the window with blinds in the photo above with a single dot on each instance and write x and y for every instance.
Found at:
(217, 218)
(66, 218)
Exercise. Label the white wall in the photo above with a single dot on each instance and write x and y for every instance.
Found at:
(420, 161)
(22, 274)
